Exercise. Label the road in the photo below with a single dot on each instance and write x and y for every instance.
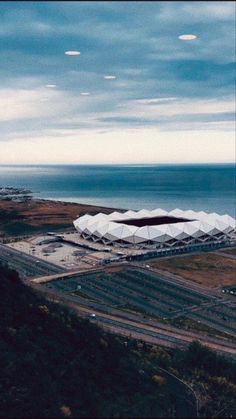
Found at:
(110, 318)
(148, 293)
(128, 325)
(27, 265)
(227, 255)
(186, 401)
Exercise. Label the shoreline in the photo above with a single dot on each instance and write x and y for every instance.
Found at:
(24, 216)
(70, 201)
(200, 188)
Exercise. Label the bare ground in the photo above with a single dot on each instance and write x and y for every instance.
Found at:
(207, 269)
(35, 216)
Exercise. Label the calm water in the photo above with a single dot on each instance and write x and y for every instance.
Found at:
(198, 187)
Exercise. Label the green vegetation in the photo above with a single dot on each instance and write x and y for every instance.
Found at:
(54, 364)
(212, 376)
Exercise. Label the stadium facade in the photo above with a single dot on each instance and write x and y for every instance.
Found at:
(156, 229)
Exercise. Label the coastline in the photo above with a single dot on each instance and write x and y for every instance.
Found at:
(207, 188)
(27, 215)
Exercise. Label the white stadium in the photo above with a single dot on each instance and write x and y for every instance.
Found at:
(156, 229)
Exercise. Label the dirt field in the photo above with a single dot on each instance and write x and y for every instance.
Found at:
(113, 269)
(34, 216)
(207, 269)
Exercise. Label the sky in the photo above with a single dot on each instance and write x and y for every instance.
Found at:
(133, 92)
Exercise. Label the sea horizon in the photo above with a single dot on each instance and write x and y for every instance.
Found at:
(208, 187)
(119, 164)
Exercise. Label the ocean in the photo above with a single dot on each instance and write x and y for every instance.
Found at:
(208, 187)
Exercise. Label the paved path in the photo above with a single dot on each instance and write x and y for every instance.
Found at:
(186, 401)
(227, 255)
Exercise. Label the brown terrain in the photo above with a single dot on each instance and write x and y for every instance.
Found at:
(208, 269)
(36, 216)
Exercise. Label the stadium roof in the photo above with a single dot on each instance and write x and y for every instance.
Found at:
(155, 227)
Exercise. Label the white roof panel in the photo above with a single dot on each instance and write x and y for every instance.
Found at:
(201, 215)
(115, 216)
(112, 228)
(102, 229)
(230, 221)
(129, 214)
(100, 216)
(222, 226)
(92, 226)
(176, 231)
(190, 229)
(82, 224)
(190, 214)
(128, 233)
(198, 232)
(154, 232)
(206, 228)
(143, 233)
(158, 212)
(114, 232)
(163, 234)
(102, 225)
(176, 213)
(144, 213)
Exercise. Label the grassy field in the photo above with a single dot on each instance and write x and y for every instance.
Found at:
(206, 269)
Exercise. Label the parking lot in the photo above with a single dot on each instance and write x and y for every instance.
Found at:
(26, 265)
(63, 252)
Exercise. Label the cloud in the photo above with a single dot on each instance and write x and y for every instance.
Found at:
(187, 37)
(165, 113)
(124, 146)
(58, 108)
(160, 81)
(200, 11)
(155, 100)
(51, 85)
(109, 77)
(29, 104)
(72, 53)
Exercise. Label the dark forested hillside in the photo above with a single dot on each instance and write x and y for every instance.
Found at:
(53, 364)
